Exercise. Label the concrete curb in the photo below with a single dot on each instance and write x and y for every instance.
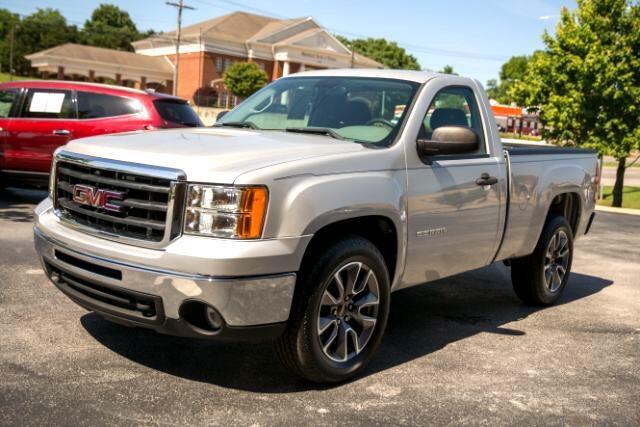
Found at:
(625, 211)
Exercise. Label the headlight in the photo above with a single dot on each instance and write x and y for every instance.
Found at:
(229, 212)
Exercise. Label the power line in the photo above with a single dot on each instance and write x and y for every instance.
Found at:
(180, 5)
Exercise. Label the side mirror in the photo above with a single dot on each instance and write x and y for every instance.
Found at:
(221, 114)
(449, 140)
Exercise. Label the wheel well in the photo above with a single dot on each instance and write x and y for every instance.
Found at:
(379, 230)
(568, 206)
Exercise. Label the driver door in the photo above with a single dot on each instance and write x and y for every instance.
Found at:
(453, 222)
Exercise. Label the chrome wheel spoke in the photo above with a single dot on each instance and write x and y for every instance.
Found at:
(330, 339)
(561, 272)
(548, 274)
(342, 350)
(324, 323)
(365, 322)
(339, 285)
(328, 299)
(353, 274)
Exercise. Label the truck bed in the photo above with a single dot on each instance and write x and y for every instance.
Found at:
(537, 174)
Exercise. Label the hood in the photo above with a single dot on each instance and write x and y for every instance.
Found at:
(211, 154)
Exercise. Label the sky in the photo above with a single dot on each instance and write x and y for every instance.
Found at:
(475, 37)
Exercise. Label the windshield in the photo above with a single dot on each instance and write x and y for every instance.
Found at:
(353, 108)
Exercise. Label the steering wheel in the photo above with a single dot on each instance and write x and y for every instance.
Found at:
(379, 121)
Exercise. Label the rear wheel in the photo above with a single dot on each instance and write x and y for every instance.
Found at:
(339, 314)
(540, 278)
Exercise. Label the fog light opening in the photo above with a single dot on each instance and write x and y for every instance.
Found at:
(213, 319)
(201, 316)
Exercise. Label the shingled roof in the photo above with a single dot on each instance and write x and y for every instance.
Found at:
(102, 55)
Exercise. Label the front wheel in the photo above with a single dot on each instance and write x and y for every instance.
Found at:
(339, 314)
(540, 278)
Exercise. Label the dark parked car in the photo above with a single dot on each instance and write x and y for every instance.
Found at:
(36, 117)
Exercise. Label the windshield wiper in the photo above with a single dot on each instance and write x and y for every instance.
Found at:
(244, 125)
(317, 131)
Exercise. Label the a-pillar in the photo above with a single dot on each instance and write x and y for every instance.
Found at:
(60, 73)
(92, 76)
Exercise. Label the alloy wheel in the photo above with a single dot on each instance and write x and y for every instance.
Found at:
(556, 260)
(348, 312)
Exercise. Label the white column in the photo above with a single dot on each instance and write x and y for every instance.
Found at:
(285, 68)
(302, 68)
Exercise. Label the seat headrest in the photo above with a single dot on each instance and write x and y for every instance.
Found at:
(448, 117)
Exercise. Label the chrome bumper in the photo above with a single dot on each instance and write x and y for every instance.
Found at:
(241, 301)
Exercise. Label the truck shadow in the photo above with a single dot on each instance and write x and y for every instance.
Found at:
(423, 320)
(17, 204)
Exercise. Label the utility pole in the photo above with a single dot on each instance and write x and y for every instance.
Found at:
(12, 40)
(180, 6)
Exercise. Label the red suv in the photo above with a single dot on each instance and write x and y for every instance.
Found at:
(36, 117)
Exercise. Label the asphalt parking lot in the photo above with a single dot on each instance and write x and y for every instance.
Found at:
(461, 350)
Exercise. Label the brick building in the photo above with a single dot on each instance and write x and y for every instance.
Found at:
(207, 49)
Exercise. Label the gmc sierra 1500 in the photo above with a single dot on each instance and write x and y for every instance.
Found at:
(304, 208)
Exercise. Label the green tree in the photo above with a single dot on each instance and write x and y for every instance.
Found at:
(8, 21)
(385, 52)
(244, 78)
(448, 69)
(511, 72)
(41, 30)
(110, 27)
(586, 82)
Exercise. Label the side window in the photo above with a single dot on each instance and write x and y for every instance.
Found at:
(454, 106)
(7, 99)
(47, 104)
(97, 105)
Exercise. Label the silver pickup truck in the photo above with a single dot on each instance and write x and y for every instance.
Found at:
(303, 209)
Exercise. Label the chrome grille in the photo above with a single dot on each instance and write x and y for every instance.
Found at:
(150, 209)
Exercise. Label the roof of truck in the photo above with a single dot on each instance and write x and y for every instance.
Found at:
(415, 76)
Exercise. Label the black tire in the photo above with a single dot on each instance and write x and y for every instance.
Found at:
(299, 348)
(530, 274)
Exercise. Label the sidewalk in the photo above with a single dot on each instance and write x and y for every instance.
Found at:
(625, 211)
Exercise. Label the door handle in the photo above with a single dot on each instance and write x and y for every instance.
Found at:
(61, 132)
(486, 179)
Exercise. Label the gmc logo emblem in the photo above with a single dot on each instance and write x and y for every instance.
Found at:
(91, 196)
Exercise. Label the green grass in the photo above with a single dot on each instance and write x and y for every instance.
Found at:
(523, 137)
(615, 164)
(4, 77)
(630, 197)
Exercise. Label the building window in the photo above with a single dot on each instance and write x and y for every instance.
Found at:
(223, 99)
(227, 64)
(261, 65)
(219, 65)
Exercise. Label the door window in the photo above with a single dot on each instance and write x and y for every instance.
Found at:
(97, 105)
(47, 104)
(8, 98)
(454, 106)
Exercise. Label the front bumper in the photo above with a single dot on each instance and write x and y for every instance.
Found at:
(136, 286)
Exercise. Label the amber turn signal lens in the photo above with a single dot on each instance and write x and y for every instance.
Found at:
(253, 207)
